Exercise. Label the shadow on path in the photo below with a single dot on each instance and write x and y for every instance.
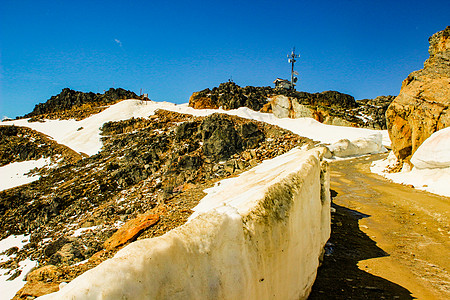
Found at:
(339, 276)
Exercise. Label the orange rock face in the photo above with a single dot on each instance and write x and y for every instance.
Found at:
(422, 106)
(201, 102)
(131, 230)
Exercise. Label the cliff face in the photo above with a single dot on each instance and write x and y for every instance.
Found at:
(422, 106)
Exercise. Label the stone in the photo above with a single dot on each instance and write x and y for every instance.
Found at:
(422, 106)
(36, 289)
(220, 138)
(131, 230)
(46, 273)
(281, 106)
(301, 111)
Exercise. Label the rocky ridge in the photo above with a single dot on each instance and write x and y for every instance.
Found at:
(422, 106)
(144, 182)
(329, 107)
(70, 104)
(21, 144)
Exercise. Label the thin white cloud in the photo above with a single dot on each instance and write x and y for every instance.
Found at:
(118, 42)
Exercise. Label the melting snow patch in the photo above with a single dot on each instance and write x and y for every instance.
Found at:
(9, 288)
(15, 174)
(80, 231)
(431, 171)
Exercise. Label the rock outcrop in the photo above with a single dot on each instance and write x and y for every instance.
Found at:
(422, 107)
(21, 144)
(329, 107)
(231, 96)
(79, 105)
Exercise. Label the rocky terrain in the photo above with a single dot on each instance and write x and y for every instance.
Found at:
(22, 144)
(329, 107)
(147, 177)
(70, 104)
(422, 107)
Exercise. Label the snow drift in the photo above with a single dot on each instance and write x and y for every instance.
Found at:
(367, 145)
(260, 239)
(431, 165)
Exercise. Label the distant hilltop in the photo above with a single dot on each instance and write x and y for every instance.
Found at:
(329, 107)
(79, 105)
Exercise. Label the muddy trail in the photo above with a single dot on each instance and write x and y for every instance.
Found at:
(388, 241)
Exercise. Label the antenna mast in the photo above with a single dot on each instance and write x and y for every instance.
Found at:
(292, 59)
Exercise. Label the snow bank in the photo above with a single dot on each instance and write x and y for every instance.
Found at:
(260, 239)
(15, 174)
(431, 171)
(84, 136)
(360, 146)
(9, 288)
(434, 151)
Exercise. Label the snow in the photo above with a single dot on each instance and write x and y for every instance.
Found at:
(245, 191)
(262, 245)
(434, 151)
(367, 145)
(431, 170)
(14, 241)
(15, 174)
(9, 288)
(87, 139)
(80, 231)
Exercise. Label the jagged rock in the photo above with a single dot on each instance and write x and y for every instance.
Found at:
(374, 111)
(131, 230)
(220, 138)
(46, 273)
(281, 106)
(329, 107)
(422, 107)
(22, 143)
(36, 289)
(231, 96)
(251, 135)
(75, 104)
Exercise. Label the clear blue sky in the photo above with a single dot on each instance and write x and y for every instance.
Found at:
(173, 48)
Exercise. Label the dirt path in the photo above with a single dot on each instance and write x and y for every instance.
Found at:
(388, 241)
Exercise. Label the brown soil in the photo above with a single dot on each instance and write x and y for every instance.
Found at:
(388, 241)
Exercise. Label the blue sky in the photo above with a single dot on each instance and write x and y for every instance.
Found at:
(173, 48)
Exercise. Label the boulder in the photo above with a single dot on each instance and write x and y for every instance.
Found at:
(281, 106)
(422, 106)
(131, 230)
(220, 138)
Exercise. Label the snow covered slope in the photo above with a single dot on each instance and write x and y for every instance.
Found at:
(261, 239)
(84, 136)
(15, 174)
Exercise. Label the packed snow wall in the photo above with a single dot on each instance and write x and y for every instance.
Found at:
(256, 236)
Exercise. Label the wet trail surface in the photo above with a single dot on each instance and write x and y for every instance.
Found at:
(388, 241)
